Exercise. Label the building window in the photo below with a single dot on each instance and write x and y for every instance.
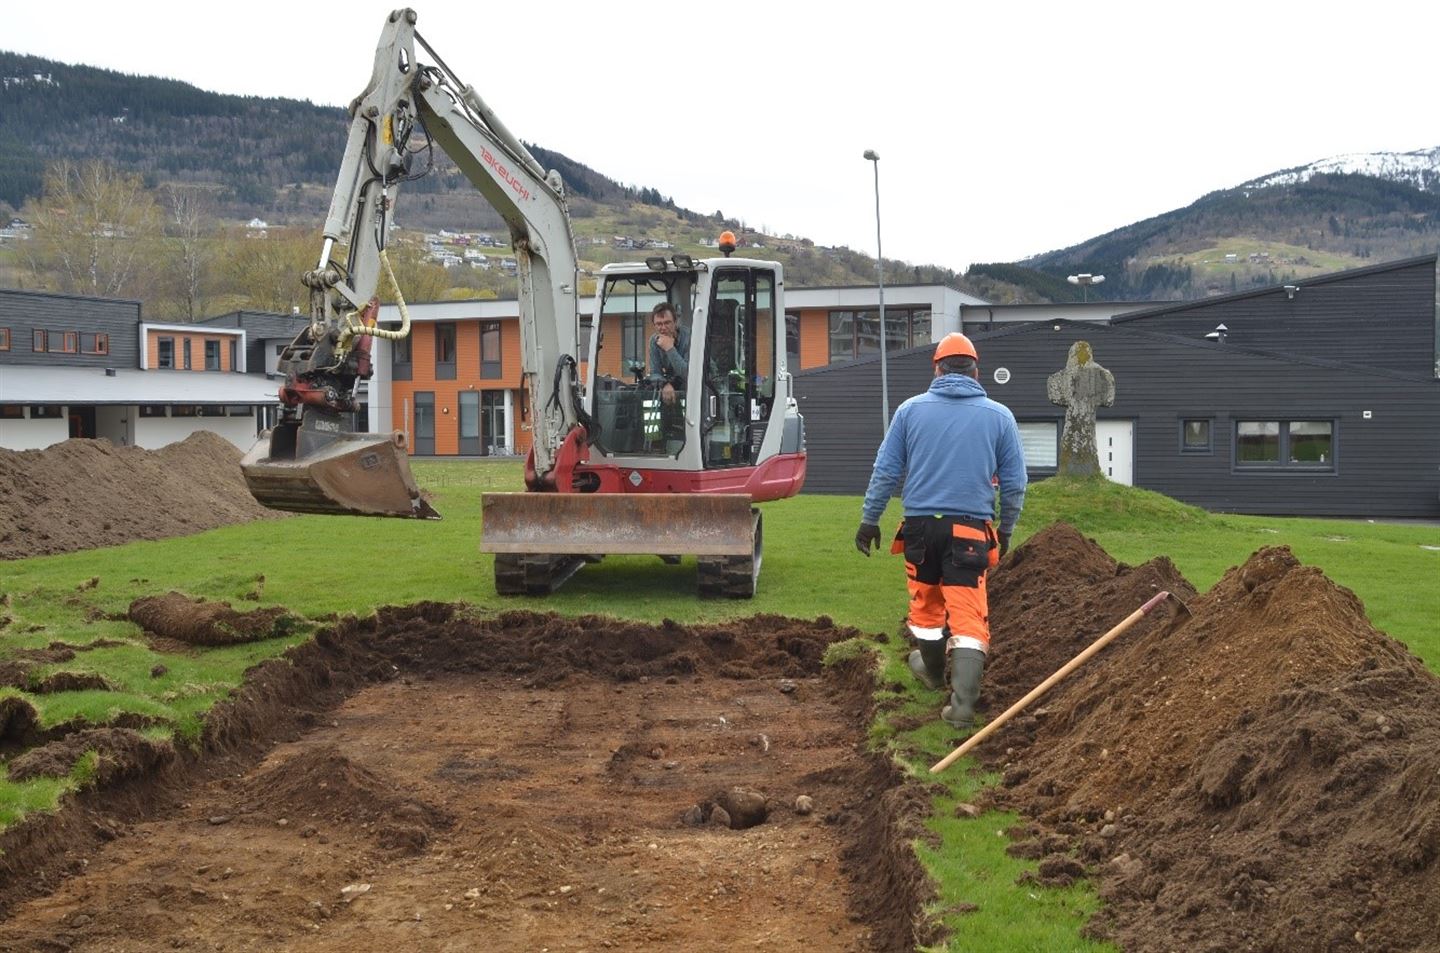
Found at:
(38, 342)
(240, 410)
(184, 410)
(165, 352)
(792, 342)
(855, 334)
(212, 410)
(1041, 442)
(185, 354)
(445, 351)
(234, 354)
(634, 343)
(842, 336)
(1195, 435)
(490, 350)
(153, 410)
(212, 355)
(95, 343)
(12, 411)
(69, 342)
(4, 339)
(45, 412)
(400, 359)
(1300, 444)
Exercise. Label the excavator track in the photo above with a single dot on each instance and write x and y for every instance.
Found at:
(534, 574)
(732, 577)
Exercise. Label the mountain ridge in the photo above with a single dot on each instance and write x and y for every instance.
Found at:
(275, 159)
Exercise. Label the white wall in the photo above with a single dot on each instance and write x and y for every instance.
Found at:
(33, 434)
(115, 424)
(153, 433)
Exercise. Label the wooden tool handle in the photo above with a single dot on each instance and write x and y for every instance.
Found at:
(1046, 685)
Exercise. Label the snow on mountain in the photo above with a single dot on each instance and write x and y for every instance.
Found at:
(1420, 168)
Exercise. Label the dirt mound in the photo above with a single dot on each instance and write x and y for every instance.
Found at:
(1053, 596)
(324, 784)
(81, 494)
(546, 649)
(199, 622)
(1264, 775)
(123, 754)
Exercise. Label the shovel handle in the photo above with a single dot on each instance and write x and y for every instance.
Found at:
(1046, 685)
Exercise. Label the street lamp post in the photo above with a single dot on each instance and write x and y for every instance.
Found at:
(874, 158)
(1085, 280)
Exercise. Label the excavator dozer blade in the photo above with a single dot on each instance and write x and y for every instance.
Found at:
(583, 524)
(357, 474)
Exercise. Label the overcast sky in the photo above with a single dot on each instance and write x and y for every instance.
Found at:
(1004, 129)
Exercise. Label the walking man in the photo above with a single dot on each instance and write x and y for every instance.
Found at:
(949, 444)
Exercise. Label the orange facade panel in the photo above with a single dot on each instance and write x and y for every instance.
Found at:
(814, 338)
(197, 341)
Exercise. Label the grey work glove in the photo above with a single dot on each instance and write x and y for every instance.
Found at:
(1004, 543)
(867, 537)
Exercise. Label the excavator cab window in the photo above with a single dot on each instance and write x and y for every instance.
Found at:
(739, 366)
(639, 402)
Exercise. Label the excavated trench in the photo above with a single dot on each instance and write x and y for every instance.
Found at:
(423, 780)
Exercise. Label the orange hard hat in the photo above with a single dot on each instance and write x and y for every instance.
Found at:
(955, 344)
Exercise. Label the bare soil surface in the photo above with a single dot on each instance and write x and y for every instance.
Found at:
(521, 783)
(81, 494)
(1263, 775)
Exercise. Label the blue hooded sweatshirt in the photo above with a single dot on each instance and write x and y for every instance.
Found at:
(947, 444)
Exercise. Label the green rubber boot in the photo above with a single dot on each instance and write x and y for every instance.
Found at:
(967, 666)
(927, 662)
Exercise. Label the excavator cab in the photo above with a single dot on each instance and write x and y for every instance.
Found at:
(716, 413)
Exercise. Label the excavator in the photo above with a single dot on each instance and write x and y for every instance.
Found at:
(629, 455)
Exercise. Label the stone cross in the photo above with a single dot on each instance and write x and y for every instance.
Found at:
(1080, 388)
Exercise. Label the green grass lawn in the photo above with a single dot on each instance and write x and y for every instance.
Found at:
(318, 566)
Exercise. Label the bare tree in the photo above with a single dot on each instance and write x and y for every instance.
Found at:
(97, 229)
(263, 273)
(190, 246)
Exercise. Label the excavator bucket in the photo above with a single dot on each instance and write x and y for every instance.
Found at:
(359, 474)
(541, 539)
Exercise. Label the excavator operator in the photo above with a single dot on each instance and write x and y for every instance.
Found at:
(669, 350)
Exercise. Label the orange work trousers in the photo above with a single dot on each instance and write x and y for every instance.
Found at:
(946, 559)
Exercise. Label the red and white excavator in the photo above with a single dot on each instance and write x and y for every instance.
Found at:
(629, 460)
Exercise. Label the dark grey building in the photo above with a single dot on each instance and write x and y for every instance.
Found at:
(1318, 399)
(40, 328)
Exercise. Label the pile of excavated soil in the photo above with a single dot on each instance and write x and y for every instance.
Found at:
(86, 493)
(1262, 775)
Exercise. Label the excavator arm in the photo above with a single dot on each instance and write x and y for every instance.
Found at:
(312, 461)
